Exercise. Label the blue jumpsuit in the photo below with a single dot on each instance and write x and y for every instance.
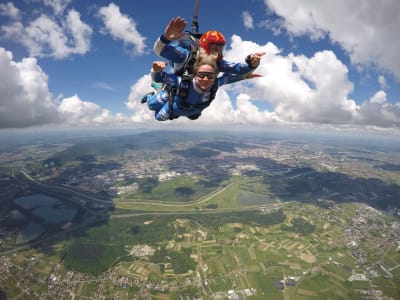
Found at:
(197, 99)
(178, 53)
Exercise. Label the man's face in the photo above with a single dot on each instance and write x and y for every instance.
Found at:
(216, 48)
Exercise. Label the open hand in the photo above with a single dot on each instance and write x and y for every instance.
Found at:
(175, 28)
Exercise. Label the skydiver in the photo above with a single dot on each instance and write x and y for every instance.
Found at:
(170, 103)
(180, 49)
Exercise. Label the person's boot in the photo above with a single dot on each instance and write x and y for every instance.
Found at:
(144, 99)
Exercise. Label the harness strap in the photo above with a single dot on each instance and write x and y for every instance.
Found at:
(171, 108)
(183, 91)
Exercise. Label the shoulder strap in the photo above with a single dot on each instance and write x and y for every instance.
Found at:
(183, 92)
(183, 89)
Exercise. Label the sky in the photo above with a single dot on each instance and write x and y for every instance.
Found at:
(84, 64)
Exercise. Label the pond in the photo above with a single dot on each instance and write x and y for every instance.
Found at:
(49, 209)
(29, 233)
(38, 200)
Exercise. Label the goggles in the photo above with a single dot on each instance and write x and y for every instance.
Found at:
(209, 75)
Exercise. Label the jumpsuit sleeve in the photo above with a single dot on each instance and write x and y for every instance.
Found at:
(170, 50)
(159, 45)
(235, 68)
(160, 77)
(229, 78)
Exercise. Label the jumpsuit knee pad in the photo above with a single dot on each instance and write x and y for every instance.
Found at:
(156, 101)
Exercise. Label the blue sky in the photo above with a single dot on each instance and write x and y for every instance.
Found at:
(328, 64)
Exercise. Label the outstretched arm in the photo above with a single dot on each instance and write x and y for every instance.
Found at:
(165, 46)
(227, 78)
(251, 75)
(252, 62)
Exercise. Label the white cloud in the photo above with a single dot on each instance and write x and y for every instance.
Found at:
(103, 85)
(58, 6)
(78, 113)
(220, 112)
(379, 112)
(378, 98)
(382, 81)
(24, 96)
(122, 27)
(141, 113)
(366, 32)
(74, 110)
(8, 9)
(25, 100)
(247, 20)
(45, 37)
(248, 113)
(81, 33)
(298, 90)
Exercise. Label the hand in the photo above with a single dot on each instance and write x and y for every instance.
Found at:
(175, 28)
(252, 75)
(158, 66)
(255, 59)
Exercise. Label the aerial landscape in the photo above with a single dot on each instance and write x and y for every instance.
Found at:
(202, 150)
(199, 215)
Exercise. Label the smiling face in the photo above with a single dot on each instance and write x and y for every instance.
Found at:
(205, 77)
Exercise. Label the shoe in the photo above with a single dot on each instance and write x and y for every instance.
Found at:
(194, 117)
(144, 99)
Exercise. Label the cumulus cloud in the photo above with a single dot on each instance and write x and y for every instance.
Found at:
(247, 20)
(25, 100)
(103, 85)
(122, 27)
(366, 33)
(141, 113)
(45, 36)
(8, 9)
(58, 6)
(382, 81)
(74, 111)
(24, 96)
(378, 111)
(296, 89)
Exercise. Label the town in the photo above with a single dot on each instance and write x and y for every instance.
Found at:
(257, 219)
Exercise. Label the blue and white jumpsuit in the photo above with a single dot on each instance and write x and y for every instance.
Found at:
(169, 105)
(178, 53)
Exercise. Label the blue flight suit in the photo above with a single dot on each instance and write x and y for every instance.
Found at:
(167, 103)
(179, 52)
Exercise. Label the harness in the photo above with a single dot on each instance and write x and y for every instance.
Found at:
(186, 79)
(182, 91)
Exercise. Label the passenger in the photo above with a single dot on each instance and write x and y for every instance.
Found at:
(188, 96)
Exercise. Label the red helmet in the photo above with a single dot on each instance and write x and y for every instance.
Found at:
(212, 37)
